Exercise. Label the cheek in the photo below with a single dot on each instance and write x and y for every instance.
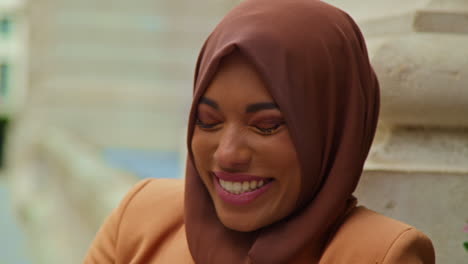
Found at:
(278, 152)
(279, 155)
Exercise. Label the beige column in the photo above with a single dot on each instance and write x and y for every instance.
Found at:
(417, 170)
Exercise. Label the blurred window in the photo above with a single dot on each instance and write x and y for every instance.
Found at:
(145, 163)
(4, 71)
(5, 26)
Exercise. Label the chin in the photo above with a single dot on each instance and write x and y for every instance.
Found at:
(239, 225)
(241, 221)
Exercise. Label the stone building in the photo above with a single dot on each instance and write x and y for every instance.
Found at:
(118, 75)
(418, 168)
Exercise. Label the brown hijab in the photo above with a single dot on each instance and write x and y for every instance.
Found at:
(314, 61)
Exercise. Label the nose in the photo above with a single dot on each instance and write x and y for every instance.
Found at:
(233, 153)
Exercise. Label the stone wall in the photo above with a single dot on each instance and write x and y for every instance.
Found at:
(417, 171)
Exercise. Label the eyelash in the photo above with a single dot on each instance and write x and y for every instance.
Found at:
(265, 131)
(205, 126)
(270, 130)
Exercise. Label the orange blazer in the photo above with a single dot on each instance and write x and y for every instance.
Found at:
(148, 227)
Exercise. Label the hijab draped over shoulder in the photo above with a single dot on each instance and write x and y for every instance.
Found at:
(313, 59)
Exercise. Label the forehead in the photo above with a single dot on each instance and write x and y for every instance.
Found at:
(237, 79)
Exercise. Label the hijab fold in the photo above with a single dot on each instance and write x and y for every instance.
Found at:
(314, 61)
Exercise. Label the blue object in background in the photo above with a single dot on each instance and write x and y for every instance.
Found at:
(145, 163)
(5, 25)
(12, 239)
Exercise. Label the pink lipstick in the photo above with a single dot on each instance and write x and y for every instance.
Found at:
(231, 193)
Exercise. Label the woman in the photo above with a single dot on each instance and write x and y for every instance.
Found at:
(284, 112)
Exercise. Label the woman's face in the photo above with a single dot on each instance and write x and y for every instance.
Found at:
(243, 150)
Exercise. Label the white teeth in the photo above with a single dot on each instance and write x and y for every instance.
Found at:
(245, 186)
(237, 187)
(253, 185)
(228, 185)
(240, 187)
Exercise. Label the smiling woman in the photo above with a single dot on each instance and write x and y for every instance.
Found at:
(284, 111)
(243, 150)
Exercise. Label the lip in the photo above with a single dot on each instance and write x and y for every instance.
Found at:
(237, 177)
(239, 199)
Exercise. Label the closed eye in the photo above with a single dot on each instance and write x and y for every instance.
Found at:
(205, 126)
(269, 130)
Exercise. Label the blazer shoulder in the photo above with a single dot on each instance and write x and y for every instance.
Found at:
(148, 210)
(154, 213)
(152, 192)
(153, 201)
(411, 246)
(369, 237)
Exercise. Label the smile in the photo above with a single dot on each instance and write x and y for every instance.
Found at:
(240, 189)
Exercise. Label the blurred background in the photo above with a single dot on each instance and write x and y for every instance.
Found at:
(94, 96)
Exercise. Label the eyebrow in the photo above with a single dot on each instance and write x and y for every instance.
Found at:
(260, 106)
(252, 108)
(209, 102)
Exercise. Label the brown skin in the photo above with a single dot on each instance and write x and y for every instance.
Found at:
(257, 143)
